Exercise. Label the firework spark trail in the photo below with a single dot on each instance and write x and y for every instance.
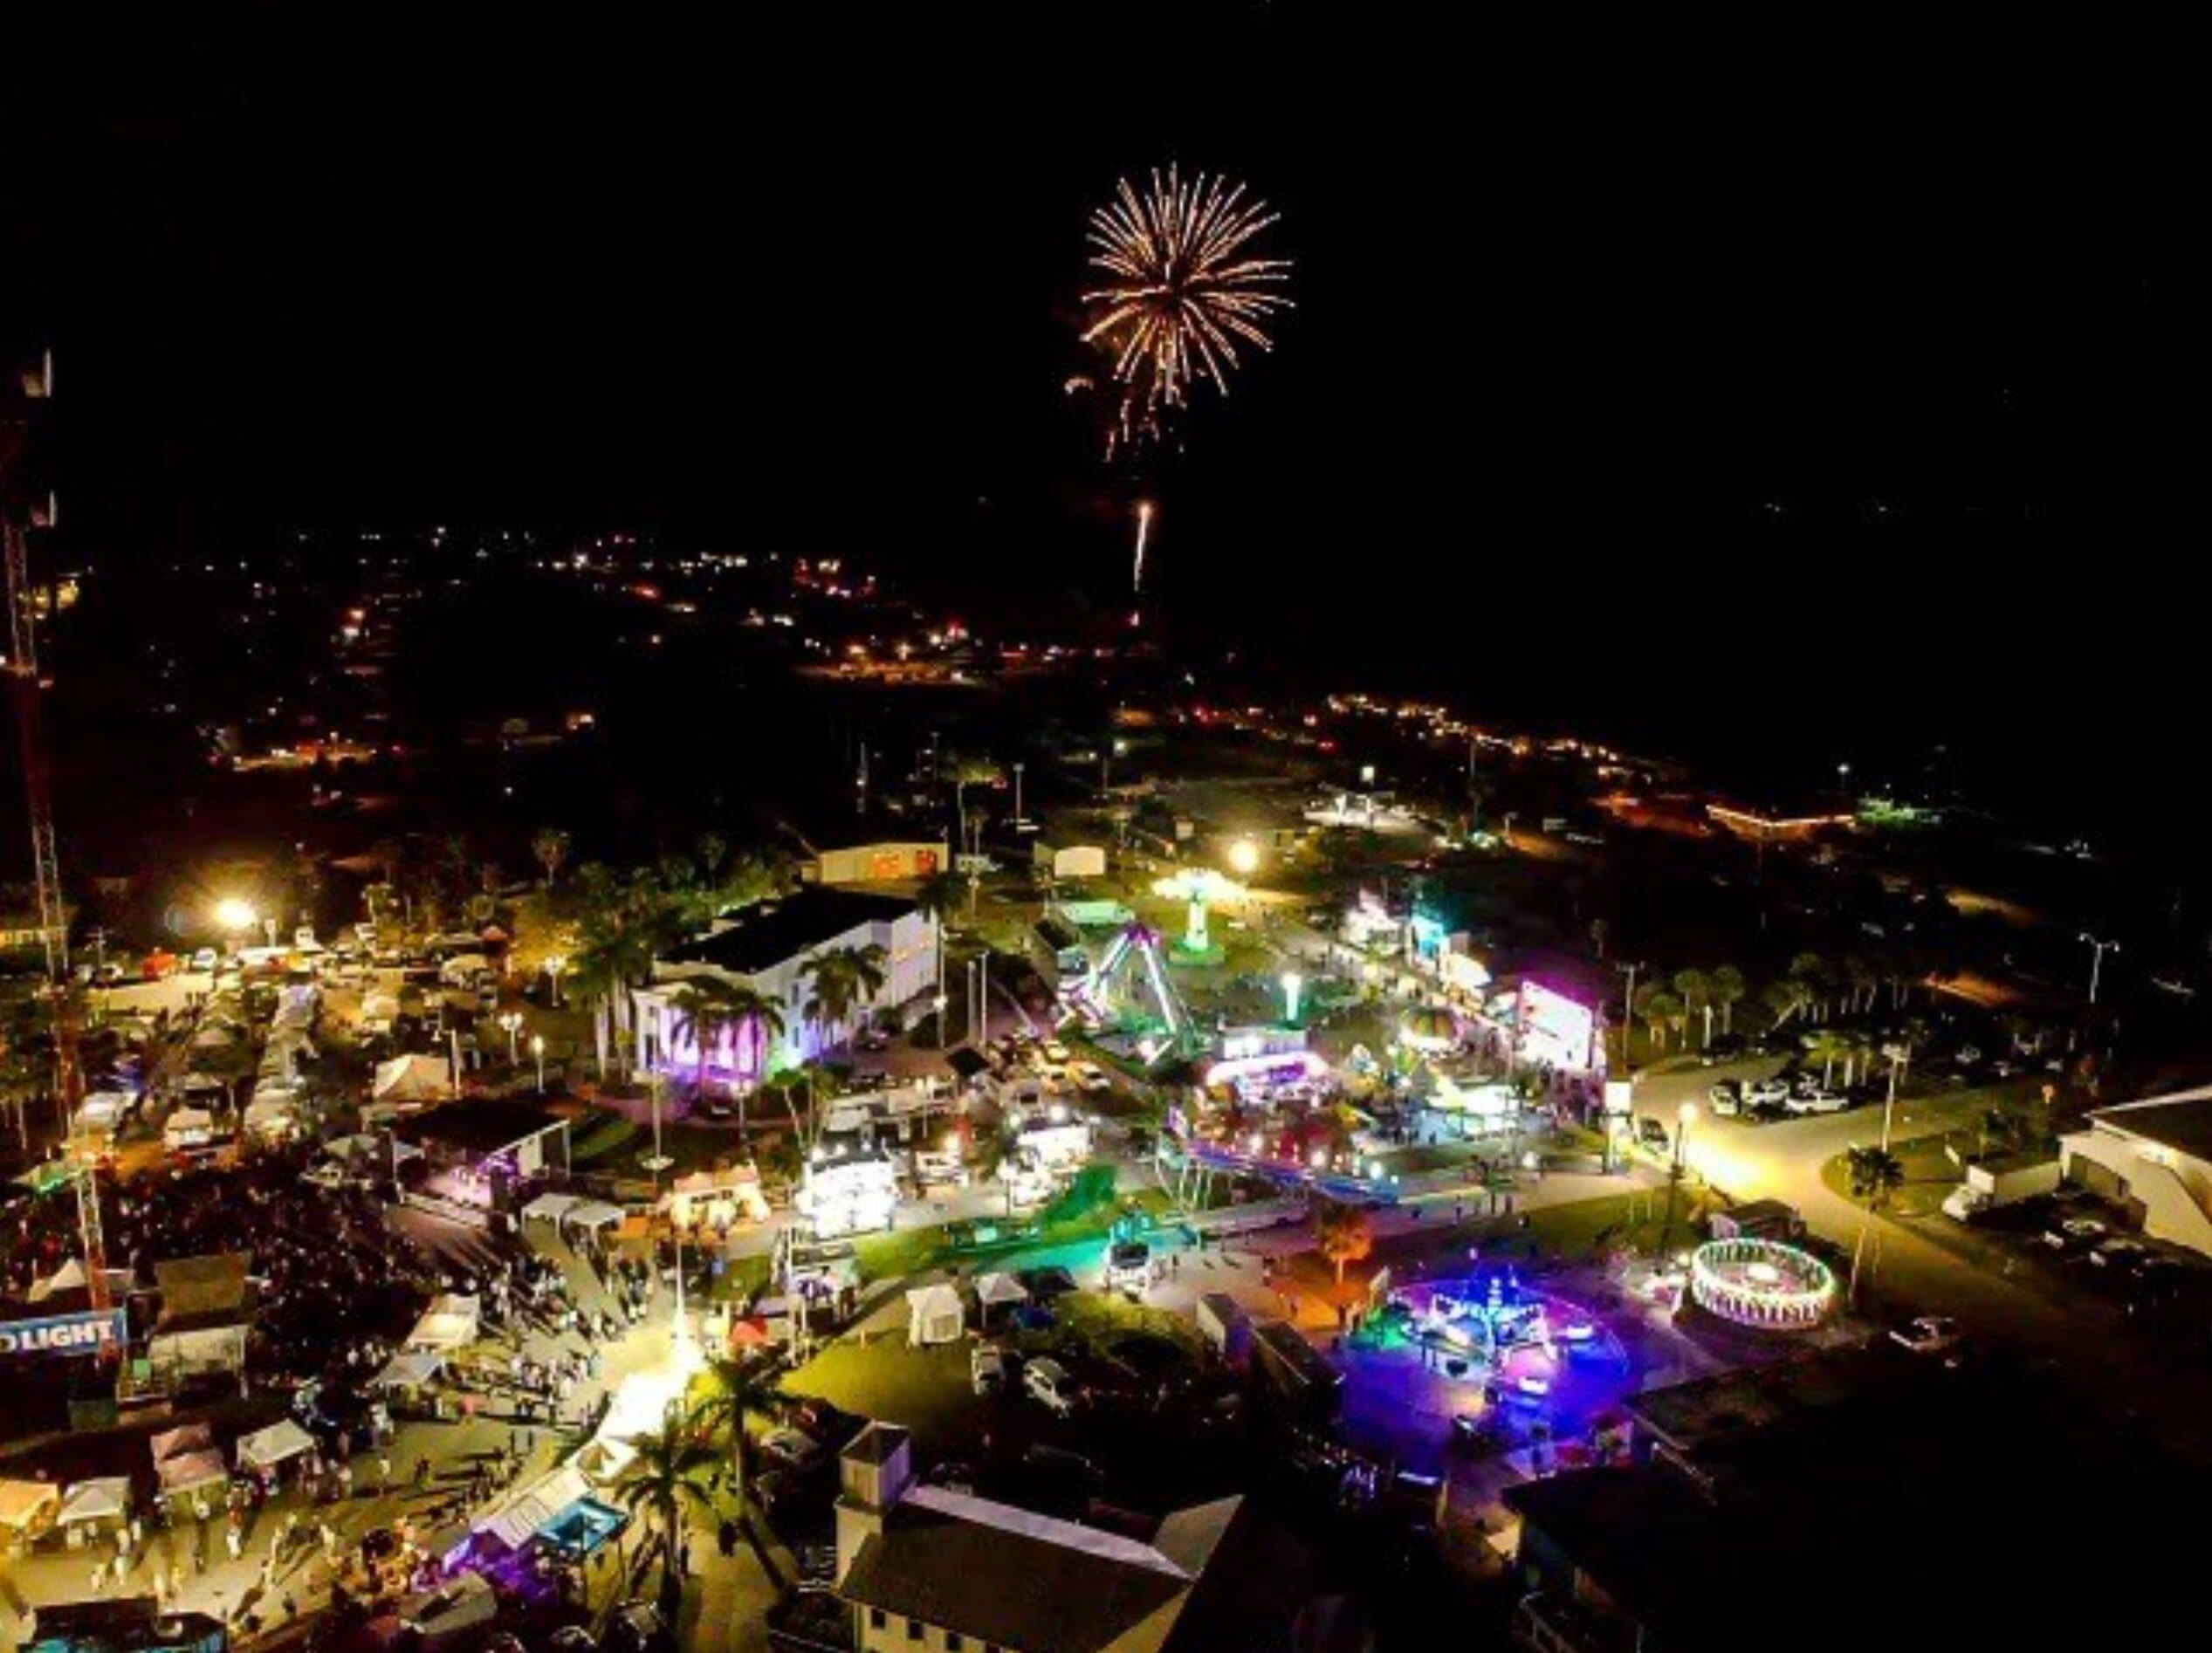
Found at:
(1183, 291)
(1143, 528)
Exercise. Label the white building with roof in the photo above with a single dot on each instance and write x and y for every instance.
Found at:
(2152, 1159)
(767, 947)
(925, 1569)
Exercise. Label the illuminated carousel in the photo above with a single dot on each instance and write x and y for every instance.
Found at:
(1762, 1284)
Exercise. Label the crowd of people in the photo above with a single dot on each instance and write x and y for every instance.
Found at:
(325, 1255)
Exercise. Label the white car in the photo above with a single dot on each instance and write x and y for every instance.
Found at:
(1046, 1383)
(1725, 1099)
(986, 1370)
(205, 961)
(1929, 1334)
(1056, 1052)
(1817, 1101)
(1765, 1093)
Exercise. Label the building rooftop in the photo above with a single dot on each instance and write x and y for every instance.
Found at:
(762, 935)
(481, 1125)
(2182, 1121)
(1013, 1579)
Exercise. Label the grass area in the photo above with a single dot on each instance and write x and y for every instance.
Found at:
(742, 1278)
(2013, 1122)
(606, 1136)
(1092, 1322)
(926, 1390)
(899, 1253)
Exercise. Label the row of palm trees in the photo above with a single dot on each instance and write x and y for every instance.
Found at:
(1812, 992)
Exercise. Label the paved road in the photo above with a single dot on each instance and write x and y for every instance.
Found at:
(1782, 1161)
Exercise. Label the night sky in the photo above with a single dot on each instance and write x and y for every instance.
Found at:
(1721, 390)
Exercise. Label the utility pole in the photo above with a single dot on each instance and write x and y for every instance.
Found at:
(2097, 961)
(1628, 1007)
(1019, 818)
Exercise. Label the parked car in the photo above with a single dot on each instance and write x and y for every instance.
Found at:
(1725, 1097)
(1766, 1092)
(205, 960)
(1929, 1334)
(1653, 1133)
(791, 1448)
(1044, 1284)
(2118, 1255)
(2074, 1234)
(1724, 1047)
(986, 1368)
(1818, 1100)
(1056, 1052)
(635, 1627)
(873, 1039)
(1047, 1382)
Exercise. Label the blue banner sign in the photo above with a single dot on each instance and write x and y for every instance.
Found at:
(88, 1332)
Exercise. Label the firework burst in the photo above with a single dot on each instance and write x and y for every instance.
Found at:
(1183, 291)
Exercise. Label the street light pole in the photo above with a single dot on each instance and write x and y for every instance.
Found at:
(1628, 1007)
(2097, 961)
(1018, 816)
(1675, 1170)
(1898, 1058)
(538, 1051)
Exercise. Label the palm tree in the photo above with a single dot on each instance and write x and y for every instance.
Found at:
(550, 847)
(842, 978)
(939, 896)
(667, 1478)
(712, 854)
(1343, 1234)
(1660, 1009)
(1863, 982)
(738, 1391)
(1786, 998)
(702, 1015)
(1873, 1174)
(966, 773)
(750, 1009)
(1809, 971)
(1827, 1049)
(1691, 987)
(1726, 987)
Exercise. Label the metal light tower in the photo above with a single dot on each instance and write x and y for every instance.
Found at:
(35, 385)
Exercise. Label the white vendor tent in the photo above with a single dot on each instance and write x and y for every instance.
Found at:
(604, 1458)
(265, 1449)
(594, 1213)
(70, 1277)
(549, 1208)
(934, 1315)
(994, 1291)
(105, 1498)
(27, 1508)
(99, 1112)
(268, 1117)
(414, 1370)
(450, 1322)
(186, 1457)
(516, 1519)
(188, 1127)
(413, 1079)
